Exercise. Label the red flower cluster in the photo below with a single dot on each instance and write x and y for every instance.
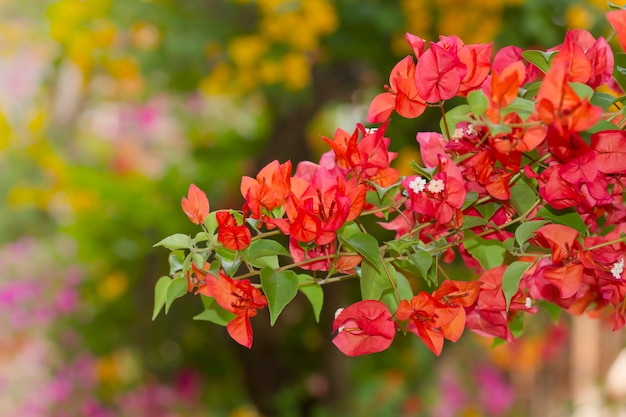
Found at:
(532, 169)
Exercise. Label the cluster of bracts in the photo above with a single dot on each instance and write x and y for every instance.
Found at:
(525, 183)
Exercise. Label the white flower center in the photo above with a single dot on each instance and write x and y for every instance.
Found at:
(470, 129)
(618, 268)
(436, 186)
(529, 303)
(417, 184)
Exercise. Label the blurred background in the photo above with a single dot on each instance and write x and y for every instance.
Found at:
(110, 108)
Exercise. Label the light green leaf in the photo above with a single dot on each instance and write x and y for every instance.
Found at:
(553, 310)
(279, 288)
(521, 106)
(540, 59)
(374, 281)
(478, 102)
(266, 261)
(176, 289)
(423, 261)
(229, 260)
(160, 292)
(176, 241)
(511, 279)
(473, 221)
(522, 197)
(176, 260)
(313, 292)
(488, 252)
(526, 230)
(364, 244)
(214, 313)
(453, 117)
(262, 248)
(210, 222)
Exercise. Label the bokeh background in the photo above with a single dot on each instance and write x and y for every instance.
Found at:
(110, 108)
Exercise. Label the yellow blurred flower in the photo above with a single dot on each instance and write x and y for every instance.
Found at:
(578, 17)
(296, 71)
(145, 36)
(246, 51)
(113, 285)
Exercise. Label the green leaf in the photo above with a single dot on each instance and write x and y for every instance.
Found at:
(176, 241)
(473, 221)
(364, 244)
(582, 90)
(423, 171)
(402, 284)
(521, 106)
(279, 288)
(511, 279)
(229, 260)
(532, 90)
(453, 117)
(160, 291)
(568, 217)
(478, 102)
(176, 260)
(553, 310)
(516, 325)
(423, 261)
(526, 230)
(313, 292)
(470, 198)
(176, 289)
(266, 261)
(619, 73)
(373, 281)
(214, 312)
(540, 59)
(522, 197)
(210, 222)
(263, 247)
(603, 100)
(489, 253)
(613, 6)
(488, 209)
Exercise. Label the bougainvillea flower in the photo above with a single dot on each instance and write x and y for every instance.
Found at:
(438, 74)
(401, 95)
(457, 293)
(441, 199)
(239, 297)
(364, 327)
(432, 144)
(426, 316)
(610, 148)
(560, 106)
(195, 205)
(230, 234)
(508, 55)
(269, 190)
(617, 19)
(477, 60)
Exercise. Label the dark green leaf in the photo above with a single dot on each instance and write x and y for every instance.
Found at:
(511, 279)
(516, 325)
(473, 221)
(313, 292)
(422, 261)
(470, 198)
(160, 294)
(553, 310)
(279, 288)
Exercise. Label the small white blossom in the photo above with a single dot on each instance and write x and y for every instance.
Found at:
(417, 184)
(529, 302)
(618, 268)
(470, 129)
(370, 130)
(436, 186)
